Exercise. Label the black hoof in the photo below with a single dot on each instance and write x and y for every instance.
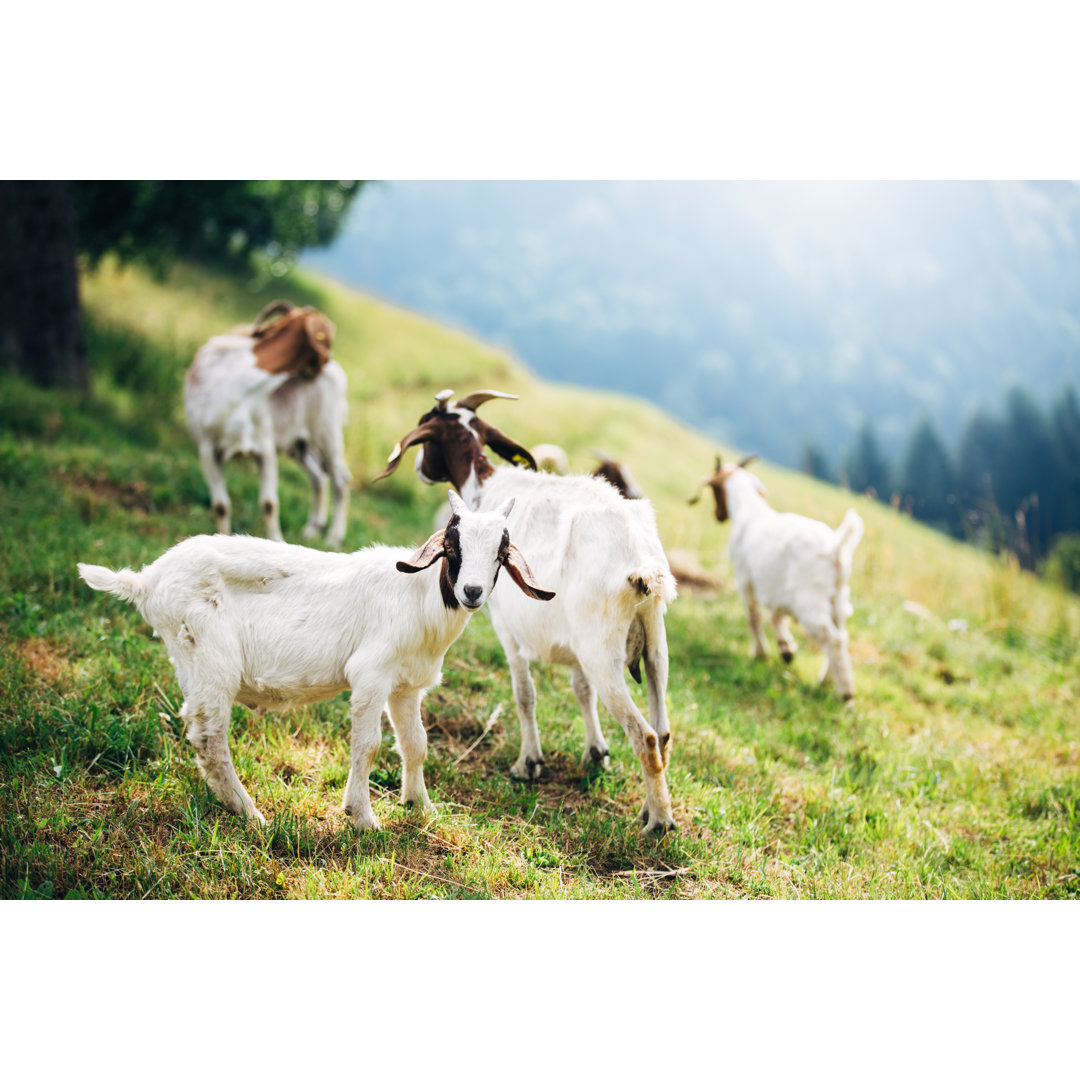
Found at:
(788, 657)
(597, 754)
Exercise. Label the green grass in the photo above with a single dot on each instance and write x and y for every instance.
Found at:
(955, 774)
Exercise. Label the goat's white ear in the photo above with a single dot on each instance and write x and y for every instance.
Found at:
(455, 503)
(506, 508)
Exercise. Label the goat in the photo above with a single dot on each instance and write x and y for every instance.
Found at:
(236, 408)
(551, 459)
(618, 475)
(275, 625)
(791, 565)
(603, 557)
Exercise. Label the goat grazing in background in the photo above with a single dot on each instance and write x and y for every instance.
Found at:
(602, 556)
(551, 459)
(275, 626)
(261, 391)
(618, 475)
(791, 565)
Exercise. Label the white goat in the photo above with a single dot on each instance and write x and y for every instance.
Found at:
(791, 565)
(603, 557)
(277, 625)
(235, 409)
(551, 459)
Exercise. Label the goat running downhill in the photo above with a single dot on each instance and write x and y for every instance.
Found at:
(261, 391)
(602, 555)
(274, 626)
(793, 566)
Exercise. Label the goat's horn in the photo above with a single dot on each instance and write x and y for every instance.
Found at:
(478, 397)
(746, 460)
(718, 462)
(441, 398)
(700, 488)
(601, 455)
(273, 308)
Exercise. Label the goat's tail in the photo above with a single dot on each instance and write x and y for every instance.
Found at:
(848, 536)
(654, 579)
(127, 584)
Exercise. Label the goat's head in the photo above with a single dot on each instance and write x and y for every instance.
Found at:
(618, 475)
(474, 547)
(719, 477)
(452, 437)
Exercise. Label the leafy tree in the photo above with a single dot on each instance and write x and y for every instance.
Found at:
(44, 225)
(866, 466)
(1065, 427)
(926, 475)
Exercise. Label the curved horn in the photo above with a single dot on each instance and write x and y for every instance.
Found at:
(441, 399)
(275, 307)
(746, 460)
(702, 485)
(601, 455)
(478, 397)
(417, 435)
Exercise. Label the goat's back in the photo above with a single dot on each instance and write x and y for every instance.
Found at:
(581, 538)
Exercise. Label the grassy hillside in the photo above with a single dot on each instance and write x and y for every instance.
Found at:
(954, 775)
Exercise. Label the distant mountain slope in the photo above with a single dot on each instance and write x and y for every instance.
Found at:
(396, 361)
(761, 313)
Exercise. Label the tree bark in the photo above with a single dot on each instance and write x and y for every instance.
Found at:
(41, 333)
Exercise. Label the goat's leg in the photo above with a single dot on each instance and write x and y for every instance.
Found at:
(268, 490)
(340, 479)
(596, 747)
(753, 615)
(530, 762)
(215, 478)
(366, 706)
(208, 731)
(656, 677)
(606, 676)
(837, 663)
(412, 745)
(320, 492)
(782, 626)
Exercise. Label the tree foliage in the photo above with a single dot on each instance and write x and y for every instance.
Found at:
(209, 220)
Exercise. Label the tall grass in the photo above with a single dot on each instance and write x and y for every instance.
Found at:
(954, 775)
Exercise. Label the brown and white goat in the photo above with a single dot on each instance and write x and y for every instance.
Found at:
(602, 556)
(275, 626)
(237, 408)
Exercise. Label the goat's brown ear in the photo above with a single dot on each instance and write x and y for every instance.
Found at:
(519, 570)
(505, 447)
(434, 548)
(417, 435)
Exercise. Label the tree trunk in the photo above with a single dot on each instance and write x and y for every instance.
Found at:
(40, 325)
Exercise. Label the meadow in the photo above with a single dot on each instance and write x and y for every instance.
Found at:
(956, 773)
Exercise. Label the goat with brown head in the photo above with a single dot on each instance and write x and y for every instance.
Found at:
(716, 482)
(451, 438)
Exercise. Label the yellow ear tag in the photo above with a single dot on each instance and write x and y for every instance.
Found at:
(519, 460)
(320, 335)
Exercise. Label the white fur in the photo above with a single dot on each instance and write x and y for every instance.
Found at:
(794, 567)
(593, 548)
(274, 626)
(234, 409)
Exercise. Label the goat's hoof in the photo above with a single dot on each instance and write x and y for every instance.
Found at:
(311, 531)
(596, 757)
(530, 769)
(253, 813)
(658, 825)
(423, 803)
(788, 656)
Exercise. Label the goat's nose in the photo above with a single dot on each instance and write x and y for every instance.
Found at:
(472, 593)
